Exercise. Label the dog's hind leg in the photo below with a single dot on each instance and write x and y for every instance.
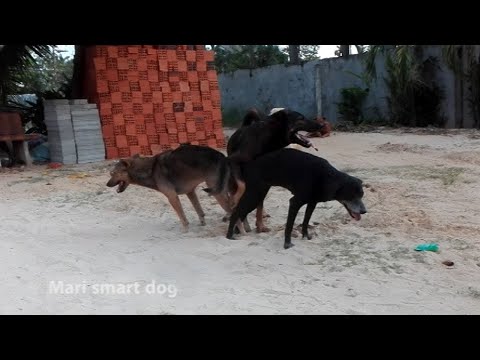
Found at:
(238, 194)
(177, 206)
(260, 212)
(223, 202)
(306, 220)
(259, 223)
(247, 204)
(192, 196)
(295, 205)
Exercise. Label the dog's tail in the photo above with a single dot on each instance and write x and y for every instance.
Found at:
(223, 178)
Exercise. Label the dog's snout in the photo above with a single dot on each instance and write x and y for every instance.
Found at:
(363, 210)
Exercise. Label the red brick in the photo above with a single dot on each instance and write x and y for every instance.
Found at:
(107, 131)
(121, 141)
(116, 97)
(122, 64)
(130, 129)
(112, 51)
(209, 55)
(150, 129)
(135, 150)
(142, 140)
(156, 149)
(100, 63)
(104, 110)
(118, 119)
(163, 138)
(124, 152)
(112, 153)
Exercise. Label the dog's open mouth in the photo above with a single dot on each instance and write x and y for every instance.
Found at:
(122, 185)
(302, 140)
(354, 215)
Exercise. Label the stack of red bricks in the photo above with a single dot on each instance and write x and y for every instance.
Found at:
(153, 98)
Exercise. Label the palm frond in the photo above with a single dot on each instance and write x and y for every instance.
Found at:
(450, 55)
(15, 59)
(371, 56)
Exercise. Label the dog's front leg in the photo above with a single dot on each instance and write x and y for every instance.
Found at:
(295, 205)
(306, 220)
(231, 226)
(247, 226)
(241, 227)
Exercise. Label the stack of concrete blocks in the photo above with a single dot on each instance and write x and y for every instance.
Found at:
(74, 131)
(61, 140)
(87, 131)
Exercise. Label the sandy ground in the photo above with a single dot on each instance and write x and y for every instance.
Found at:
(65, 227)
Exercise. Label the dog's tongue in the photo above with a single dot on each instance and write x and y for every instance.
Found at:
(356, 216)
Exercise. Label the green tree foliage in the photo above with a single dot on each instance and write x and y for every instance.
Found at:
(231, 58)
(300, 53)
(48, 74)
(15, 60)
(412, 100)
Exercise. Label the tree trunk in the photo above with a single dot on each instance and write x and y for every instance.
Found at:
(360, 48)
(78, 71)
(294, 54)
(345, 50)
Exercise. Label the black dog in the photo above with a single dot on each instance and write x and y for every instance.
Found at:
(309, 178)
(257, 136)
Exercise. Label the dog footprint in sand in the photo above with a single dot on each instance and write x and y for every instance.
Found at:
(351, 293)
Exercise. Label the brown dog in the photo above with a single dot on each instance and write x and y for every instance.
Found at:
(324, 131)
(173, 173)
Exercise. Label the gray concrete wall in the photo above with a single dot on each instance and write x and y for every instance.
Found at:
(269, 87)
(314, 88)
(337, 73)
(445, 78)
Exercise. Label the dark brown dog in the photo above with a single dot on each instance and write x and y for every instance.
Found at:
(257, 136)
(173, 173)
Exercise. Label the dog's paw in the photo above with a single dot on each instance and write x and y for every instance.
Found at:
(202, 222)
(263, 229)
(308, 236)
(288, 245)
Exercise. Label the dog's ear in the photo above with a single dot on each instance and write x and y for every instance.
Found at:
(125, 162)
